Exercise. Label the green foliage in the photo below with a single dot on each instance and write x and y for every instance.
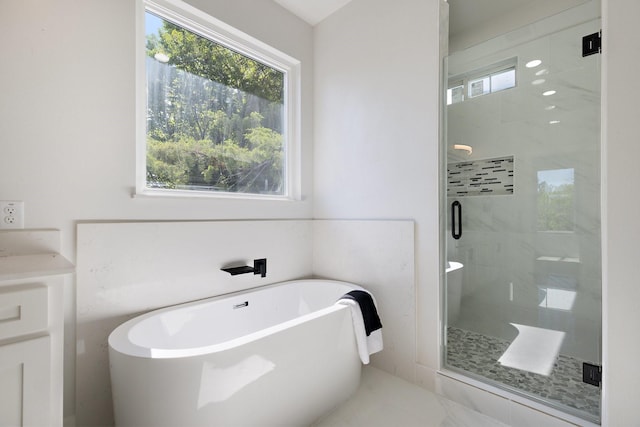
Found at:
(555, 207)
(192, 164)
(204, 58)
(214, 117)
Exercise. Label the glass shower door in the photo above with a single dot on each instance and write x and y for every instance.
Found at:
(523, 198)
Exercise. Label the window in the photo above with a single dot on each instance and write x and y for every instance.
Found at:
(503, 80)
(220, 109)
(455, 94)
(556, 194)
(482, 82)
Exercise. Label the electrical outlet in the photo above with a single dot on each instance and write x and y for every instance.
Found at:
(11, 214)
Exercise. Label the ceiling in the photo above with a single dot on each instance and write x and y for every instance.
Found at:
(463, 14)
(312, 11)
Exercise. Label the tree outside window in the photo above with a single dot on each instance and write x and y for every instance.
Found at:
(215, 117)
(556, 193)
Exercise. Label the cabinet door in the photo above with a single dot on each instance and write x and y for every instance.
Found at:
(25, 383)
(24, 309)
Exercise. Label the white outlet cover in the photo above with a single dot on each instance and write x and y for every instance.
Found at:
(11, 214)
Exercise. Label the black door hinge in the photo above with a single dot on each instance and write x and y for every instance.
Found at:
(591, 374)
(592, 44)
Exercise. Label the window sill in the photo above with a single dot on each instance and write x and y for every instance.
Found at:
(191, 194)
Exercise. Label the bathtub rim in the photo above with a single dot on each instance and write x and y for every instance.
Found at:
(119, 342)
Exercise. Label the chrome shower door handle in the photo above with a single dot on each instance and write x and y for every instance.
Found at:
(456, 220)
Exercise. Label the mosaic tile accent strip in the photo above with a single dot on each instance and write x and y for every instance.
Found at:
(480, 177)
(479, 354)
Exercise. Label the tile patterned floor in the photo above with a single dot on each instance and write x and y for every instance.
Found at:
(479, 354)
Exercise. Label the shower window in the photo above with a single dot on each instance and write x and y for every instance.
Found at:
(556, 200)
(220, 113)
(493, 79)
(455, 94)
(504, 79)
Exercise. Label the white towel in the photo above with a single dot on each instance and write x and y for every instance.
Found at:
(367, 345)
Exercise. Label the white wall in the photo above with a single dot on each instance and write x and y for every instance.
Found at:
(67, 119)
(376, 131)
(68, 111)
(621, 89)
(378, 255)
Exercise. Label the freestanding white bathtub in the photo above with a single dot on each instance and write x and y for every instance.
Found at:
(282, 355)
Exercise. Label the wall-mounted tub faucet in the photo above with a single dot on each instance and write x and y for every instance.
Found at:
(259, 267)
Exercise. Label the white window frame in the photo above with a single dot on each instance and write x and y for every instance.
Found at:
(219, 32)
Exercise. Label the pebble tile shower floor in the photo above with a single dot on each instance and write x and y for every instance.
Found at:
(479, 354)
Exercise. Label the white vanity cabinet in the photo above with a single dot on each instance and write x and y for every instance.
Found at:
(31, 339)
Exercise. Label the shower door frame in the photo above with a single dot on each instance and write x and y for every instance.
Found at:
(479, 381)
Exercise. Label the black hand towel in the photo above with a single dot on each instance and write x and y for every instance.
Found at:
(368, 309)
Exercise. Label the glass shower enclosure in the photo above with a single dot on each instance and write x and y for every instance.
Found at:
(523, 277)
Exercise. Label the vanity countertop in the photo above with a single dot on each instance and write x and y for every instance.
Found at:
(36, 265)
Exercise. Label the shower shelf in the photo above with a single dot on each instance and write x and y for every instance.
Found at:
(558, 259)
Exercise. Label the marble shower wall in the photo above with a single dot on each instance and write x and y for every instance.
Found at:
(515, 270)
